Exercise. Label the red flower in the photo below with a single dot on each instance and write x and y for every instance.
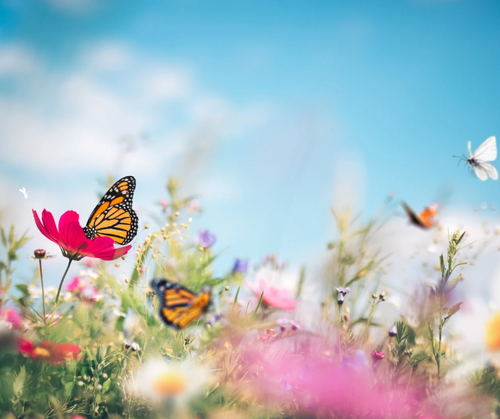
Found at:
(48, 351)
(72, 240)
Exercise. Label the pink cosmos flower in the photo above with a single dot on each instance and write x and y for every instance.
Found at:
(69, 236)
(273, 297)
(11, 316)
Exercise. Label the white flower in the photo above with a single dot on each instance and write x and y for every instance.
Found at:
(159, 380)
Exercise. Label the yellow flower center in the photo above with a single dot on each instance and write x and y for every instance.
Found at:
(170, 384)
(41, 353)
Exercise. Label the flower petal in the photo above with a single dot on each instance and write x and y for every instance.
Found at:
(71, 232)
(47, 226)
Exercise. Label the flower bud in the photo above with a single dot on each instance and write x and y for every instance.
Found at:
(393, 331)
(40, 253)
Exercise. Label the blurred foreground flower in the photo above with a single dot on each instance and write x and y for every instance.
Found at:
(82, 289)
(320, 386)
(10, 317)
(240, 266)
(48, 351)
(493, 333)
(69, 236)
(174, 383)
(206, 239)
(273, 297)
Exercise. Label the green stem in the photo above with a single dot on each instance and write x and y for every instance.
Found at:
(340, 332)
(59, 290)
(438, 358)
(43, 291)
(368, 321)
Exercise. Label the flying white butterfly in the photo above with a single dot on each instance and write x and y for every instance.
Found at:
(479, 160)
(24, 192)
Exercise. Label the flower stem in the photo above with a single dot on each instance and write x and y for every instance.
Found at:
(59, 290)
(339, 337)
(43, 291)
(368, 321)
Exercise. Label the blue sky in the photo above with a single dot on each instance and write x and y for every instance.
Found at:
(271, 111)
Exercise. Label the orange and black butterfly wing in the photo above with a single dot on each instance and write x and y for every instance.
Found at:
(113, 216)
(195, 310)
(428, 215)
(179, 306)
(414, 218)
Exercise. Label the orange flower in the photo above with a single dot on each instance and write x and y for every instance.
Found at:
(48, 351)
(493, 333)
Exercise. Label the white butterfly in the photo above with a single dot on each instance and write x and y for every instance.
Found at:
(479, 160)
(24, 192)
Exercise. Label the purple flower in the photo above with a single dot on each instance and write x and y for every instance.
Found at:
(205, 239)
(240, 266)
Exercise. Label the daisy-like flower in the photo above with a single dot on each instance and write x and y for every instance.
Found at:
(69, 236)
(273, 297)
(48, 351)
(161, 381)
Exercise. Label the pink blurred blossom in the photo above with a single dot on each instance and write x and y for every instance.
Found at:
(11, 316)
(316, 384)
(82, 289)
(273, 297)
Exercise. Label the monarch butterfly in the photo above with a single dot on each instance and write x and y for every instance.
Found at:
(478, 161)
(426, 218)
(179, 307)
(113, 216)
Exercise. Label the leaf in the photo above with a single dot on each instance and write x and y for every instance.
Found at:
(4, 237)
(236, 296)
(260, 301)
(363, 320)
(105, 385)
(454, 309)
(18, 384)
(12, 235)
(69, 388)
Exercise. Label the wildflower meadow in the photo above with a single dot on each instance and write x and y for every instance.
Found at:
(148, 345)
(249, 209)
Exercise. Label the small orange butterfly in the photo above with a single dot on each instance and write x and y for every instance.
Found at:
(426, 219)
(179, 307)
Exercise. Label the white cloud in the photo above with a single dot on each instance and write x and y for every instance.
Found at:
(16, 60)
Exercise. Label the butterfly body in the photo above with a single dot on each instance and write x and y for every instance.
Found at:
(425, 219)
(179, 307)
(113, 216)
(478, 162)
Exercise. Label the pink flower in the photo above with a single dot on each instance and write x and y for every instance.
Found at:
(303, 379)
(377, 356)
(76, 285)
(82, 289)
(69, 236)
(10, 316)
(273, 297)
